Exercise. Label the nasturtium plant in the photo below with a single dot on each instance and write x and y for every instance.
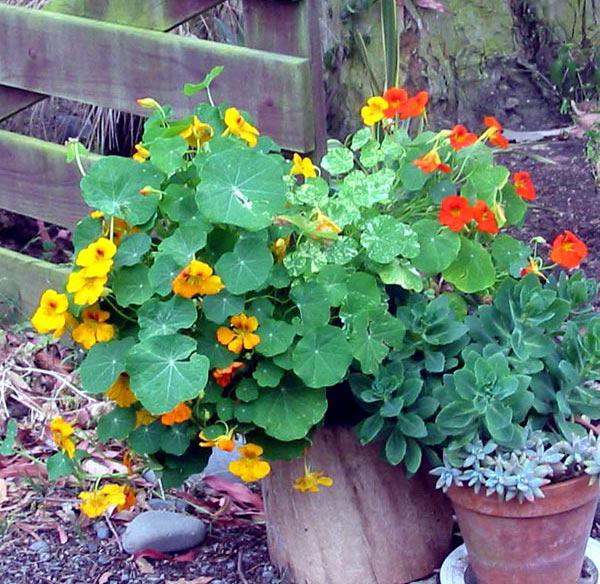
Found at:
(221, 290)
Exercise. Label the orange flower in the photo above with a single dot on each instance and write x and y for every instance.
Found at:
(568, 250)
(180, 413)
(414, 106)
(240, 335)
(223, 377)
(494, 132)
(130, 499)
(431, 162)
(223, 442)
(486, 220)
(460, 137)
(524, 185)
(197, 279)
(455, 212)
(533, 267)
(396, 98)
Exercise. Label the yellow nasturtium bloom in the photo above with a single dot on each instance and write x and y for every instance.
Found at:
(97, 257)
(325, 225)
(240, 335)
(279, 248)
(86, 288)
(224, 442)
(303, 167)
(311, 481)
(61, 435)
(120, 392)
(93, 328)
(197, 278)
(143, 418)
(96, 503)
(374, 111)
(250, 467)
(238, 126)
(52, 315)
(197, 133)
(141, 154)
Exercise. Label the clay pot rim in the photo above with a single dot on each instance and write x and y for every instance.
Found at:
(558, 498)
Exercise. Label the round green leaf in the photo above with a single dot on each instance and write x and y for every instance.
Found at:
(438, 246)
(131, 285)
(147, 439)
(220, 306)
(179, 203)
(338, 161)
(132, 249)
(116, 425)
(158, 317)
(241, 187)
(401, 273)
(322, 357)
(275, 337)
(184, 243)
(334, 279)
(163, 272)
(59, 465)
(86, 231)
(167, 153)
(267, 374)
(246, 391)
(103, 364)
(312, 300)
(385, 238)
(473, 270)
(163, 372)
(176, 439)
(113, 186)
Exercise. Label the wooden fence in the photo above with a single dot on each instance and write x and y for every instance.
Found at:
(109, 53)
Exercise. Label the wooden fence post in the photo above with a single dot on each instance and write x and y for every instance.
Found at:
(292, 28)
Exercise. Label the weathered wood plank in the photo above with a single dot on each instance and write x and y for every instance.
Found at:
(115, 64)
(23, 279)
(13, 100)
(36, 181)
(151, 14)
(296, 33)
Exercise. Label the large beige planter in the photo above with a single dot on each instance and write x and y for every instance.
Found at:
(374, 526)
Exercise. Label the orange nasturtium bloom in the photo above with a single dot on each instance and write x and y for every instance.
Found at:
(141, 154)
(431, 162)
(485, 218)
(524, 185)
(180, 413)
(494, 132)
(224, 442)
(374, 110)
(93, 328)
(455, 212)
(568, 250)
(52, 314)
(238, 126)
(61, 435)
(96, 503)
(396, 98)
(303, 167)
(197, 278)
(414, 106)
(460, 137)
(130, 499)
(223, 377)
(311, 481)
(250, 467)
(120, 392)
(240, 333)
(534, 266)
(197, 133)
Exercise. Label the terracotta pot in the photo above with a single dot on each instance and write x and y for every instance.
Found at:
(374, 526)
(527, 543)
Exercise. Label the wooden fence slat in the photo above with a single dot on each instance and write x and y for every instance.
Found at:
(36, 181)
(27, 277)
(152, 14)
(111, 65)
(296, 33)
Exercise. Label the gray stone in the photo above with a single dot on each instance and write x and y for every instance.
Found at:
(102, 531)
(164, 531)
(166, 505)
(39, 546)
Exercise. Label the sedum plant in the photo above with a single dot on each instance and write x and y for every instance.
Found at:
(220, 289)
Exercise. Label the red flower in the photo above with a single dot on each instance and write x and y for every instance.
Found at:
(494, 132)
(414, 106)
(431, 162)
(223, 377)
(460, 137)
(455, 212)
(396, 97)
(524, 185)
(568, 250)
(486, 220)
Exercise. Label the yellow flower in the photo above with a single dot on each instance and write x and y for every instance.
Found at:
(51, 316)
(197, 279)
(97, 257)
(120, 392)
(374, 111)
(325, 226)
(240, 335)
(311, 481)
(279, 248)
(97, 215)
(141, 154)
(61, 434)
(197, 133)
(238, 126)
(94, 328)
(96, 503)
(224, 442)
(250, 467)
(147, 102)
(143, 418)
(86, 289)
(303, 167)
